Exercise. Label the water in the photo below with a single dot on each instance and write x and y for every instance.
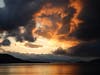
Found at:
(50, 69)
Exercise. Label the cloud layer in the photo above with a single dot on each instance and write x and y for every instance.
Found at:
(19, 13)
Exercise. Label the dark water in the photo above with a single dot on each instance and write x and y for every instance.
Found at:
(50, 69)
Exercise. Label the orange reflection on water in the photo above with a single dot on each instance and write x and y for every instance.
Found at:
(40, 69)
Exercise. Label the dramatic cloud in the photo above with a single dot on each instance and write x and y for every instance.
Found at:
(16, 13)
(90, 28)
(88, 31)
(19, 12)
(90, 49)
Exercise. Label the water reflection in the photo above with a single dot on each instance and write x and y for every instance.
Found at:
(39, 69)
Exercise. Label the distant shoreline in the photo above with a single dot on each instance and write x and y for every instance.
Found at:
(7, 59)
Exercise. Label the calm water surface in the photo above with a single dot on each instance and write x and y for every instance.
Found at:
(50, 69)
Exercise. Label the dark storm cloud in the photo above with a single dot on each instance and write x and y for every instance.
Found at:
(90, 28)
(17, 12)
(90, 49)
(88, 31)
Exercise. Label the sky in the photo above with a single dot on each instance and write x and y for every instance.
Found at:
(2, 4)
(15, 13)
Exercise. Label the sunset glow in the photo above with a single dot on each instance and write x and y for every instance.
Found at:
(50, 31)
